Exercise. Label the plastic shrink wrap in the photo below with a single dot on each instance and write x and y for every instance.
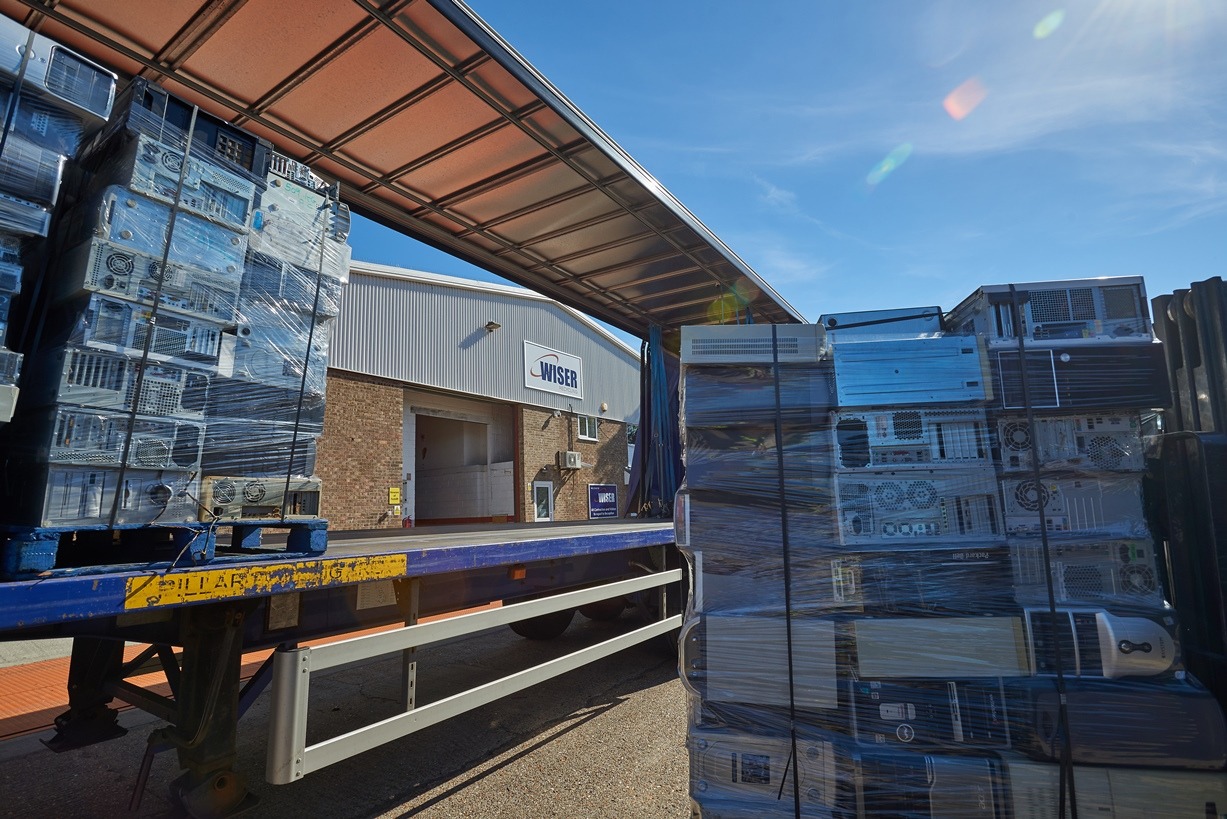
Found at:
(924, 584)
(182, 324)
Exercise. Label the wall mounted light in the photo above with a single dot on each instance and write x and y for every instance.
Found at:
(491, 326)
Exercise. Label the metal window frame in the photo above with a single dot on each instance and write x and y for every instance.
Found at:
(290, 757)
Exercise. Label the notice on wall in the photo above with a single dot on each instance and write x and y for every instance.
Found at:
(602, 500)
(553, 371)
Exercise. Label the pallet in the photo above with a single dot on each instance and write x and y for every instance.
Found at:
(27, 551)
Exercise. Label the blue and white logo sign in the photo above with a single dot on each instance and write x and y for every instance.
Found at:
(602, 500)
(553, 371)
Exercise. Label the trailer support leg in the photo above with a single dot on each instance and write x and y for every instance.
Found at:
(89, 719)
(207, 728)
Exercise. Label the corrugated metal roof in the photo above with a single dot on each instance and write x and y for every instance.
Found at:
(437, 127)
(430, 331)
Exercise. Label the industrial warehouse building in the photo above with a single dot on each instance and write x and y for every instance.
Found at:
(458, 401)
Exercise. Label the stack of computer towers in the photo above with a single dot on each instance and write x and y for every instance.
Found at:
(179, 369)
(870, 630)
(50, 98)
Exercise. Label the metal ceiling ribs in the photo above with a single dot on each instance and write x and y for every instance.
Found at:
(655, 263)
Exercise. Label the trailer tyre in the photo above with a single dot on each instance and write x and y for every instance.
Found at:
(604, 610)
(544, 626)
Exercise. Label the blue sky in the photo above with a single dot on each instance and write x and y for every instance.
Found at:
(819, 138)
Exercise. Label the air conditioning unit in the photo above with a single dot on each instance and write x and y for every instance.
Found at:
(99, 266)
(55, 72)
(224, 498)
(155, 169)
(570, 460)
(753, 344)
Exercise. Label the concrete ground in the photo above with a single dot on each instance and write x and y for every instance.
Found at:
(607, 740)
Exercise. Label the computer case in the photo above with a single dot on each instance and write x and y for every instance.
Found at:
(231, 498)
(302, 226)
(271, 347)
(36, 120)
(1087, 377)
(1034, 789)
(30, 171)
(744, 658)
(156, 170)
(1103, 504)
(898, 372)
(723, 396)
(59, 495)
(753, 344)
(745, 461)
(906, 321)
(91, 437)
(896, 439)
(951, 714)
(246, 400)
(57, 74)
(144, 108)
(1108, 309)
(917, 506)
(22, 217)
(914, 785)
(736, 770)
(99, 266)
(134, 221)
(1093, 642)
(1108, 442)
(941, 648)
(1137, 723)
(1098, 572)
(290, 288)
(106, 323)
(103, 380)
(259, 448)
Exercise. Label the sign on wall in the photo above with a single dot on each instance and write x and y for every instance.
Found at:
(553, 371)
(602, 500)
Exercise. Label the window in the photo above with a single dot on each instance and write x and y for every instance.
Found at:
(587, 428)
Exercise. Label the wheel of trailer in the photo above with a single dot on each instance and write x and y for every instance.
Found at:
(604, 610)
(544, 626)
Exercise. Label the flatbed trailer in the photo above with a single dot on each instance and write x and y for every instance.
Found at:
(196, 623)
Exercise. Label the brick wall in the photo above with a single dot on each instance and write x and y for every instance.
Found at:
(359, 454)
(542, 436)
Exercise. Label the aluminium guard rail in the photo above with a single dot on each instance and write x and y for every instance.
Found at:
(289, 756)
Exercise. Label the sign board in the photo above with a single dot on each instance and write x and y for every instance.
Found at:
(602, 500)
(553, 371)
(393, 495)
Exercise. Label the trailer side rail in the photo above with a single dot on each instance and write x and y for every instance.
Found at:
(289, 756)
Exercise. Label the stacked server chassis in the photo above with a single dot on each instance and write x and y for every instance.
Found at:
(179, 309)
(901, 570)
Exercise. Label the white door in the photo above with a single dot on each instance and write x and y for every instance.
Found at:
(543, 500)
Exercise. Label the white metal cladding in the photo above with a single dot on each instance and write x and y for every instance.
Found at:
(430, 330)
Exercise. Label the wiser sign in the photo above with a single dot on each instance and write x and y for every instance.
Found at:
(553, 371)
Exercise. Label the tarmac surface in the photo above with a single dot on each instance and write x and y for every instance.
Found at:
(606, 740)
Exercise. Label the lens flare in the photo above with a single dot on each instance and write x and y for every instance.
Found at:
(1044, 28)
(960, 102)
(725, 309)
(887, 166)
